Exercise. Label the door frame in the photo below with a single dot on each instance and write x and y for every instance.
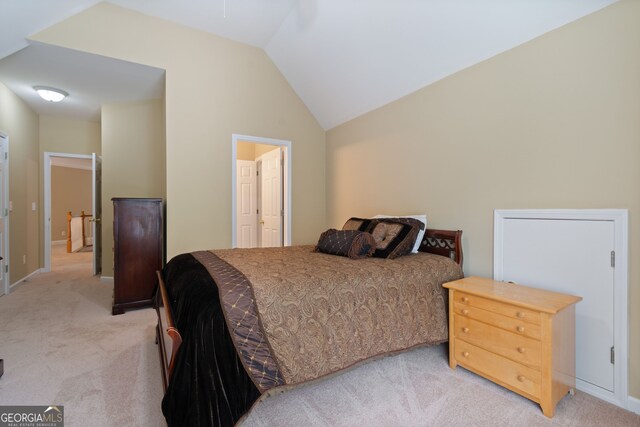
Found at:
(6, 286)
(96, 207)
(620, 218)
(286, 169)
(47, 201)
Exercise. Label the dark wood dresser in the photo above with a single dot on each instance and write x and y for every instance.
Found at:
(138, 245)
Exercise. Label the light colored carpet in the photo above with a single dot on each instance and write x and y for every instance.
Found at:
(417, 388)
(61, 345)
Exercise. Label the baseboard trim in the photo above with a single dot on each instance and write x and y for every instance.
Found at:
(59, 242)
(25, 278)
(106, 279)
(633, 404)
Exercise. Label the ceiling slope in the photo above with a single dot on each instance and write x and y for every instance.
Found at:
(343, 57)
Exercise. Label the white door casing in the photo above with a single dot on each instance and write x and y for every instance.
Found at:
(246, 209)
(286, 229)
(96, 225)
(271, 211)
(47, 203)
(287, 184)
(571, 251)
(4, 214)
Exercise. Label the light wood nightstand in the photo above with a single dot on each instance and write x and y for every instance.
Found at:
(519, 337)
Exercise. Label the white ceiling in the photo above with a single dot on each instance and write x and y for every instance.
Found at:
(90, 80)
(343, 57)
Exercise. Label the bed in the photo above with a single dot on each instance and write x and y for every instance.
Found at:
(236, 325)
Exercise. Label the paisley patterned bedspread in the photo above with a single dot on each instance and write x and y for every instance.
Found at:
(321, 313)
(290, 315)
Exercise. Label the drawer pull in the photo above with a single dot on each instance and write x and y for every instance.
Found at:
(465, 312)
(465, 330)
(520, 314)
(521, 349)
(464, 299)
(465, 354)
(520, 329)
(521, 378)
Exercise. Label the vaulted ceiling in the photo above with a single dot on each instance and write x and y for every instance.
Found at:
(343, 57)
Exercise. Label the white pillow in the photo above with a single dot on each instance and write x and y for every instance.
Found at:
(421, 218)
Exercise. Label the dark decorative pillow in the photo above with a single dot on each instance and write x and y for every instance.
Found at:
(349, 243)
(394, 237)
(360, 224)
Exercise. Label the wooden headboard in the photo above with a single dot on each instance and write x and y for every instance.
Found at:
(443, 242)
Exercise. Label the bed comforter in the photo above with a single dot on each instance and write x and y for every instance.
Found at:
(252, 320)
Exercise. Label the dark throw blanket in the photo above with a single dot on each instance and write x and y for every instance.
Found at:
(199, 393)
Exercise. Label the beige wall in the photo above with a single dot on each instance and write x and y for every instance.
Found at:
(64, 135)
(70, 191)
(245, 151)
(21, 124)
(251, 151)
(132, 161)
(214, 88)
(260, 149)
(554, 123)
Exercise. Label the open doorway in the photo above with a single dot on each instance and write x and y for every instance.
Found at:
(71, 234)
(261, 192)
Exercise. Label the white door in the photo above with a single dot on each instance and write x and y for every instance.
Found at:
(271, 195)
(573, 257)
(4, 215)
(247, 201)
(96, 163)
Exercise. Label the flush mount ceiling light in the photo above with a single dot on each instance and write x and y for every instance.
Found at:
(50, 94)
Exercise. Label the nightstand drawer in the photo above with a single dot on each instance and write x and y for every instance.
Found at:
(494, 306)
(517, 326)
(498, 368)
(515, 347)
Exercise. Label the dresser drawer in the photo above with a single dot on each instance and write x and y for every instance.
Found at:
(515, 347)
(499, 368)
(494, 306)
(530, 351)
(511, 324)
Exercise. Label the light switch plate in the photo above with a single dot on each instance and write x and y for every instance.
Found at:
(33, 206)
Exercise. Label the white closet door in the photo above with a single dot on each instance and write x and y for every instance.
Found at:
(271, 209)
(246, 209)
(574, 257)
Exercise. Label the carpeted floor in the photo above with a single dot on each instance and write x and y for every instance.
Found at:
(417, 388)
(62, 346)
